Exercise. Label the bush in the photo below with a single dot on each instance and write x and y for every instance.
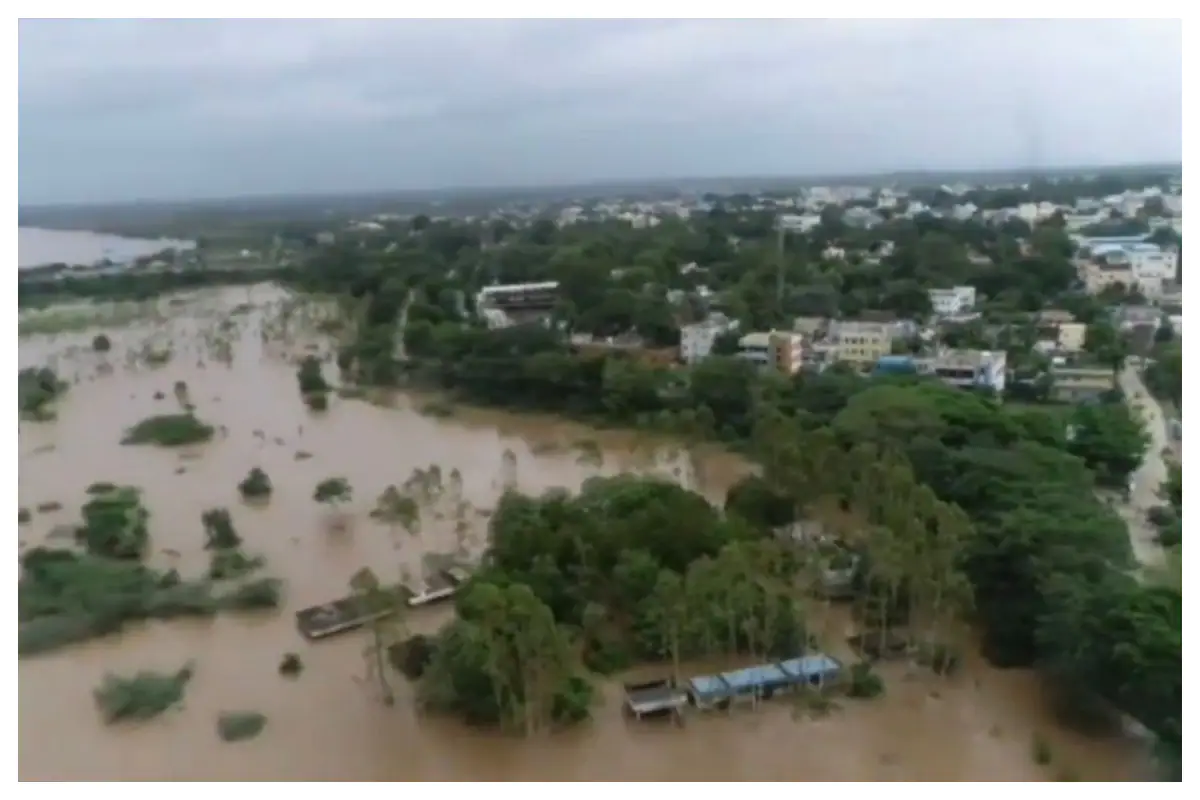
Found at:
(23, 515)
(37, 389)
(114, 524)
(864, 683)
(256, 485)
(236, 726)
(169, 430)
(143, 696)
(101, 343)
(412, 656)
(219, 533)
(310, 378)
(290, 665)
(316, 401)
(231, 564)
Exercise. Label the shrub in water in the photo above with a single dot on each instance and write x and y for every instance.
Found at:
(236, 726)
(290, 665)
(101, 343)
(219, 533)
(256, 485)
(143, 696)
(114, 524)
(864, 683)
(169, 430)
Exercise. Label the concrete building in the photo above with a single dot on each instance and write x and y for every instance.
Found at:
(696, 340)
(969, 369)
(519, 296)
(1079, 384)
(779, 350)
(951, 302)
(859, 343)
(1099, 276)
(1070, 337)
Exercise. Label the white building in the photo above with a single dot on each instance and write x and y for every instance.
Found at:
(696, 340)
(952, 302)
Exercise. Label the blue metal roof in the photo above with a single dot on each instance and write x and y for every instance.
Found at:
(751, 677)
(708, 685)
(816, 665)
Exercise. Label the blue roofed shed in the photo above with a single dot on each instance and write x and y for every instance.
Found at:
(756, 680)
(817, 669)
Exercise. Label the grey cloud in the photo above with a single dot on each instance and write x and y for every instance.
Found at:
(124, 109)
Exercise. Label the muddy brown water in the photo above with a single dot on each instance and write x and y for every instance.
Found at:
(330, 724)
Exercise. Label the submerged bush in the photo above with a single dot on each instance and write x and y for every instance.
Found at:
(219, 533)
(864, 683)
(169, 430)
(317, 401)
(256, 485)
(65, 597)
(23, 515)
(101, 343)
(231, 564)
(37, 389)
(236, 726)
(290, 665)
(142, 696)
(114, 524)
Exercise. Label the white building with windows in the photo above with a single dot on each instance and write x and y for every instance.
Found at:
(952, 302)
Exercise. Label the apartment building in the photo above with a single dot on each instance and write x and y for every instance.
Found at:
(859, 343)
(969, 369)
(952, 302)
(782, 351)
(1080, 384)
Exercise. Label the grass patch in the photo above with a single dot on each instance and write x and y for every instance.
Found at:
(169, 430)
(142, 696)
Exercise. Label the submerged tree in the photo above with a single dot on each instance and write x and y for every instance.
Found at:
(394, 508)
(256, 485)
(384, 607)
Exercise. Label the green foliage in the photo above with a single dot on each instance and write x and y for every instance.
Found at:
(237, 726)
(310, 377)
(1110, 439)
(23, 515)
(142, 696)
(115, 524)
(256, 485)
(101, 343)
(219, 533)
(864, 683)
(169, 430)
(37, 391)
(333, 491)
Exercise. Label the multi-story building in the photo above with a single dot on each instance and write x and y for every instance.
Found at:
(859, 343)
(969, 369)
(779, 350)
(1099, 276)
(696, 340)
(1078, 384)
(519, 296)
(951, 302)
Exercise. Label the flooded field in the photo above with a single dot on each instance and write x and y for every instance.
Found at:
(329, 724)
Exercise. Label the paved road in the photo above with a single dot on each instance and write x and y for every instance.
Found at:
(1149, 476)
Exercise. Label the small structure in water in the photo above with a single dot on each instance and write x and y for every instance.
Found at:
(762, 682)
(340, 616)
(441, 585)
(655, 699)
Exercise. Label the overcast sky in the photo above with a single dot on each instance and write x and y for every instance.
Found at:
(120, 110)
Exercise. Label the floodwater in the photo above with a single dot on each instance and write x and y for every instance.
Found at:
(329, 724)
(37, 246)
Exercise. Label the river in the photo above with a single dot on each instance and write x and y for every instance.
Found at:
(38, 246)
(329, 723)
